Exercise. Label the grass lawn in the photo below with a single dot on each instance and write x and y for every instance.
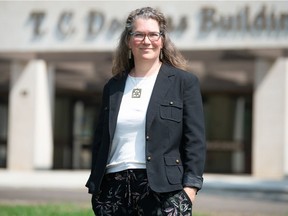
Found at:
(45, 210)
(50, 210)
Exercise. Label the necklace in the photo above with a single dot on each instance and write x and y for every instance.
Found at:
(136, 91)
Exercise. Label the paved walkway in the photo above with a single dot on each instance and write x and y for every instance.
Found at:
(221, 195)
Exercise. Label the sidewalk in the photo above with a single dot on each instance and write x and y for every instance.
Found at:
(69, 179)
(222, 195)
(64, 179)
(234, 182)
(247, 186)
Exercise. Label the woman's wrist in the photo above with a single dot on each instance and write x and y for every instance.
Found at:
(191, 192)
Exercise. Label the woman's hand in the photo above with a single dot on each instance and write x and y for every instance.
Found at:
(191, 192)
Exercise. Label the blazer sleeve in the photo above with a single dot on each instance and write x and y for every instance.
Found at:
(194, 143)
(99, 127)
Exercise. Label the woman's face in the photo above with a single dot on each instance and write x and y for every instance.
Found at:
(145, 49)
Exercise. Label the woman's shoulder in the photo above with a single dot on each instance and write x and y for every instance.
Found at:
(116, 78)
(181, 73)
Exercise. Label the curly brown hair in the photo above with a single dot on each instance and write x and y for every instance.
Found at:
(170, 55)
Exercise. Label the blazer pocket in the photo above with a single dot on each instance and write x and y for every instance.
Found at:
(174, 169)
(171, 110)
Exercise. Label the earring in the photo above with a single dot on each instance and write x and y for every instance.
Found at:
(129, 54)
(161, 54)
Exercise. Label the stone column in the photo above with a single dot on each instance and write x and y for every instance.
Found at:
(270, 121)
(30, 140)
(238, 156)
(285, 117)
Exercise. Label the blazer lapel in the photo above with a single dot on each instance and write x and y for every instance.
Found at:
(116, 94)
(162, 84)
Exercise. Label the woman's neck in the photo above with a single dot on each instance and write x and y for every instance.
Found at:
(145, 69)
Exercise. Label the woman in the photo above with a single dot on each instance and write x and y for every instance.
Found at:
(149, 149)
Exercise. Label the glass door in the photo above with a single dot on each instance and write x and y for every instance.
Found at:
(3, 133)
(228, 131)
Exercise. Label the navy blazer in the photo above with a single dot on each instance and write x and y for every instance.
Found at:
(175, 134)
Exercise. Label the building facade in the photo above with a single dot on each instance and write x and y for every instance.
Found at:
(56, 56)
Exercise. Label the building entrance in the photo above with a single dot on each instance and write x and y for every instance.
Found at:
(226, 79)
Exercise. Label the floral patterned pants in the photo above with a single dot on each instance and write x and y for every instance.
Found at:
(128, 193)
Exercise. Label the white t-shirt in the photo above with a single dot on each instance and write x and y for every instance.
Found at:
(128, 145)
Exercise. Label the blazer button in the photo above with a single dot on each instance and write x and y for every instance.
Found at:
(147, 137)
(177, 161)
(148, 158)
(171, 103)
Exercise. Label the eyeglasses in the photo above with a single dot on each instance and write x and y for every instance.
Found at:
(140, 36)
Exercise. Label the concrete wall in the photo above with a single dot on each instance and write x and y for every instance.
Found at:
(270, 119)
(96, 26)
(30, 140)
